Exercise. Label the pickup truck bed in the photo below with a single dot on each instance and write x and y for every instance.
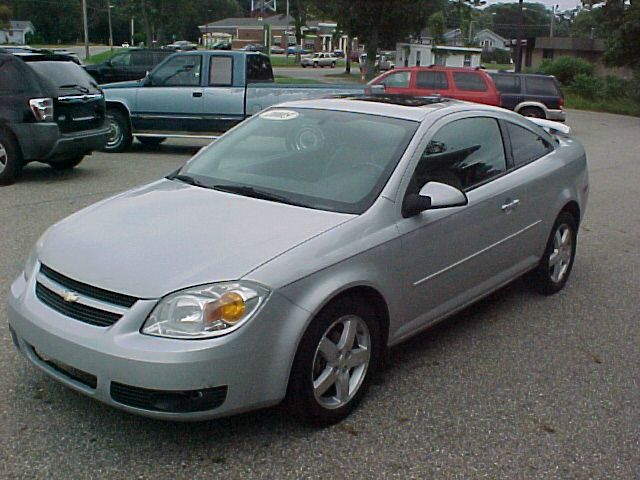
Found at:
(200, 94)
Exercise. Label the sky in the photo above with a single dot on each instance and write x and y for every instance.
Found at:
(564, 4)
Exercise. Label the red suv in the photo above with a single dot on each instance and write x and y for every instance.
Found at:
(470, 84)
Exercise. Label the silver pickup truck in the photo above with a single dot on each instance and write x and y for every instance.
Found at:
(199, 94)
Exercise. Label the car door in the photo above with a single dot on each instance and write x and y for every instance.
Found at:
(510, 88)
(396, 82)
(117, 68)
(141, 61)
(470, 86)
(544, 90)
(431, 82)
(454, 255)
(224, 94)
(172, 99)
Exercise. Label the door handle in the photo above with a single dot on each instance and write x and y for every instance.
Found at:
(197, 93)
(510, 205)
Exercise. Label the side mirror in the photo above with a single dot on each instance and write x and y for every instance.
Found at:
(443, 195)
(415, 204)
(147, 81)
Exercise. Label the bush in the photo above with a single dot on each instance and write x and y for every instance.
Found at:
(496, 56)
(588, 86)
(566, 68)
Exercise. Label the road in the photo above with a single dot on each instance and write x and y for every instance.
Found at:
(518, 386)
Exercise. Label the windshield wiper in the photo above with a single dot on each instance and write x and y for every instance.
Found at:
(188, 179)
(75, 85)
(257, 193)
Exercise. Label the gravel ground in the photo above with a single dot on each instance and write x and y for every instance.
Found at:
(518, 386)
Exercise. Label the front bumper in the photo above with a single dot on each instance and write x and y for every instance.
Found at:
(244, 370)
(45, 142)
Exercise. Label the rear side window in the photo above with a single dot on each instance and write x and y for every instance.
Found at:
(541, 86)
(121, 60)
(397, 80)
(469, 81)
(463, 154)
(507, 83)
(432, 80)
(221, 71)
(63, 75)
(141, 59)
(10, 78)
(259, 69)
(526, 145)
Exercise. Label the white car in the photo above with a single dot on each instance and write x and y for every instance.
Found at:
(320, 60)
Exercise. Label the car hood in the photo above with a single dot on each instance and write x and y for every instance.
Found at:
(129, 84)
(166, 236)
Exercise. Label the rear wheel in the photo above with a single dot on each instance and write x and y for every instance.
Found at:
(68, 163)
(10, 158)
(315, 64)
(552, 273)
(533, 112)
(119, 138)
(335, 361)
(333, 64)
(151, 141)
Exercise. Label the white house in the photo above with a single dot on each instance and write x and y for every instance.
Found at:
(17, 32)
(489, 41)
(425, 54)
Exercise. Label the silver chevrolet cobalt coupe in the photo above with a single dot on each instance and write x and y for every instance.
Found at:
(280, 261)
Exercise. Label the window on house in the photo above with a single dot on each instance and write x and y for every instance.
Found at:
(467, 60)
(547, 53)
(418, 58)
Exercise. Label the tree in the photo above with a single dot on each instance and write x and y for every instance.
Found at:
(5, 16)
(536, 19)
(622, 44)
(437, 24)
(587, 23)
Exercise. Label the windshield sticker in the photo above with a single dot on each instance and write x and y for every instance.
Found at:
(279, 115)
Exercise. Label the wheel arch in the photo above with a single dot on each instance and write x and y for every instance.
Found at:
(573, 209)
(113, 105)
(530, 104)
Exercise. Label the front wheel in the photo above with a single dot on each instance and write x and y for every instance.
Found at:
(10, 158)
(119, 138)
(552, 273)
(335, 361)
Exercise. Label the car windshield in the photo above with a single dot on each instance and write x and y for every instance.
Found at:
(322, 159)
(64, 75)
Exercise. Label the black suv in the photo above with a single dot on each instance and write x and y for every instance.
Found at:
(130, 65)
(50, 111)
(531, 95)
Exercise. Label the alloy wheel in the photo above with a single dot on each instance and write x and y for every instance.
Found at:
(560, 257)
(4, 158)
(114, 138)
(341, 361)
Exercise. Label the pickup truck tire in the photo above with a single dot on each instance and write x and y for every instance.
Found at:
(10, 158)
(151, 141)
(120, 137)
(68, 163)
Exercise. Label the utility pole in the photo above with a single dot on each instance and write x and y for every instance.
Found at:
(132, 33)
(518, 53)
(553, 20)
(109, 7)
(86, 29)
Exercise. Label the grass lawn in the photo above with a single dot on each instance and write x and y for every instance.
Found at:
(349, 77)
(104, 56)
(620, 106)
(283, 79)
(497, 66)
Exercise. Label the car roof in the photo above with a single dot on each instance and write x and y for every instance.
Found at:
(438, 68)
(395, 106)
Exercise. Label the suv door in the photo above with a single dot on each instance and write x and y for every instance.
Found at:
(117, 69)
(141, 63)
(172, 98)
(396, 82)
(430, 82)
(543, 89)
(454, 255)
(510, 87)
(470, 86)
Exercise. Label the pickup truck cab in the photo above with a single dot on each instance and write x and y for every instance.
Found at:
(199, 94)
(461, 83)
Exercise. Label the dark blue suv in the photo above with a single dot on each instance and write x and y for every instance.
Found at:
(531, 95)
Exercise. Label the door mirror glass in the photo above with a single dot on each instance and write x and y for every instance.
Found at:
(443, 195)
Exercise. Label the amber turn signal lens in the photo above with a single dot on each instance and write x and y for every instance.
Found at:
(229, 308)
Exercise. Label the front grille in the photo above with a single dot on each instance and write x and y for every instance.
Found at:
(88, 290)
(170, 401)
(73, 373)
(77, 311)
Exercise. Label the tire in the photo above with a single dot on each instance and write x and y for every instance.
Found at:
(304, 66)
(320, 354)
(533, 112)
(333, 64)
(552, 273)
(151, 141)
(120, 137)
(67, 164)
(10, 158)
(315, 64)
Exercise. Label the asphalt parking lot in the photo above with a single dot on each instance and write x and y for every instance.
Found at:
(518, 386)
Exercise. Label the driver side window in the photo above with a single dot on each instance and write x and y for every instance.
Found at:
(121, 60)
(180, 71)
(463, 154)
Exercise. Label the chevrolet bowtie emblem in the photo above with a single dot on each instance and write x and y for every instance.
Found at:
(70, 297)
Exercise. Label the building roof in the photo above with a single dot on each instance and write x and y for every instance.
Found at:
(492, 34)
(570, 43)
(20, 25)
(239, 22)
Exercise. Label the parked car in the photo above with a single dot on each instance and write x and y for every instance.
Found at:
(173, 98)
(222, 46)
(295, 49)
(51, 111)
(531, 95)
(132, 64)
(328, 251)
(64, 51)
(125, 45)
(470, 84)
(276, 49)
(320, 59)
(182, 46)
(338, 53)
(253, 47)
(383, 63)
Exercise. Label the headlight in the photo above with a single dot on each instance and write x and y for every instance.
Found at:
(206, 311)
(30, 266)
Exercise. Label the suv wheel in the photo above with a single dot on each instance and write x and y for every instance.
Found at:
(10, 158)
(335, 362)
(120, 137)
(533, 112)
